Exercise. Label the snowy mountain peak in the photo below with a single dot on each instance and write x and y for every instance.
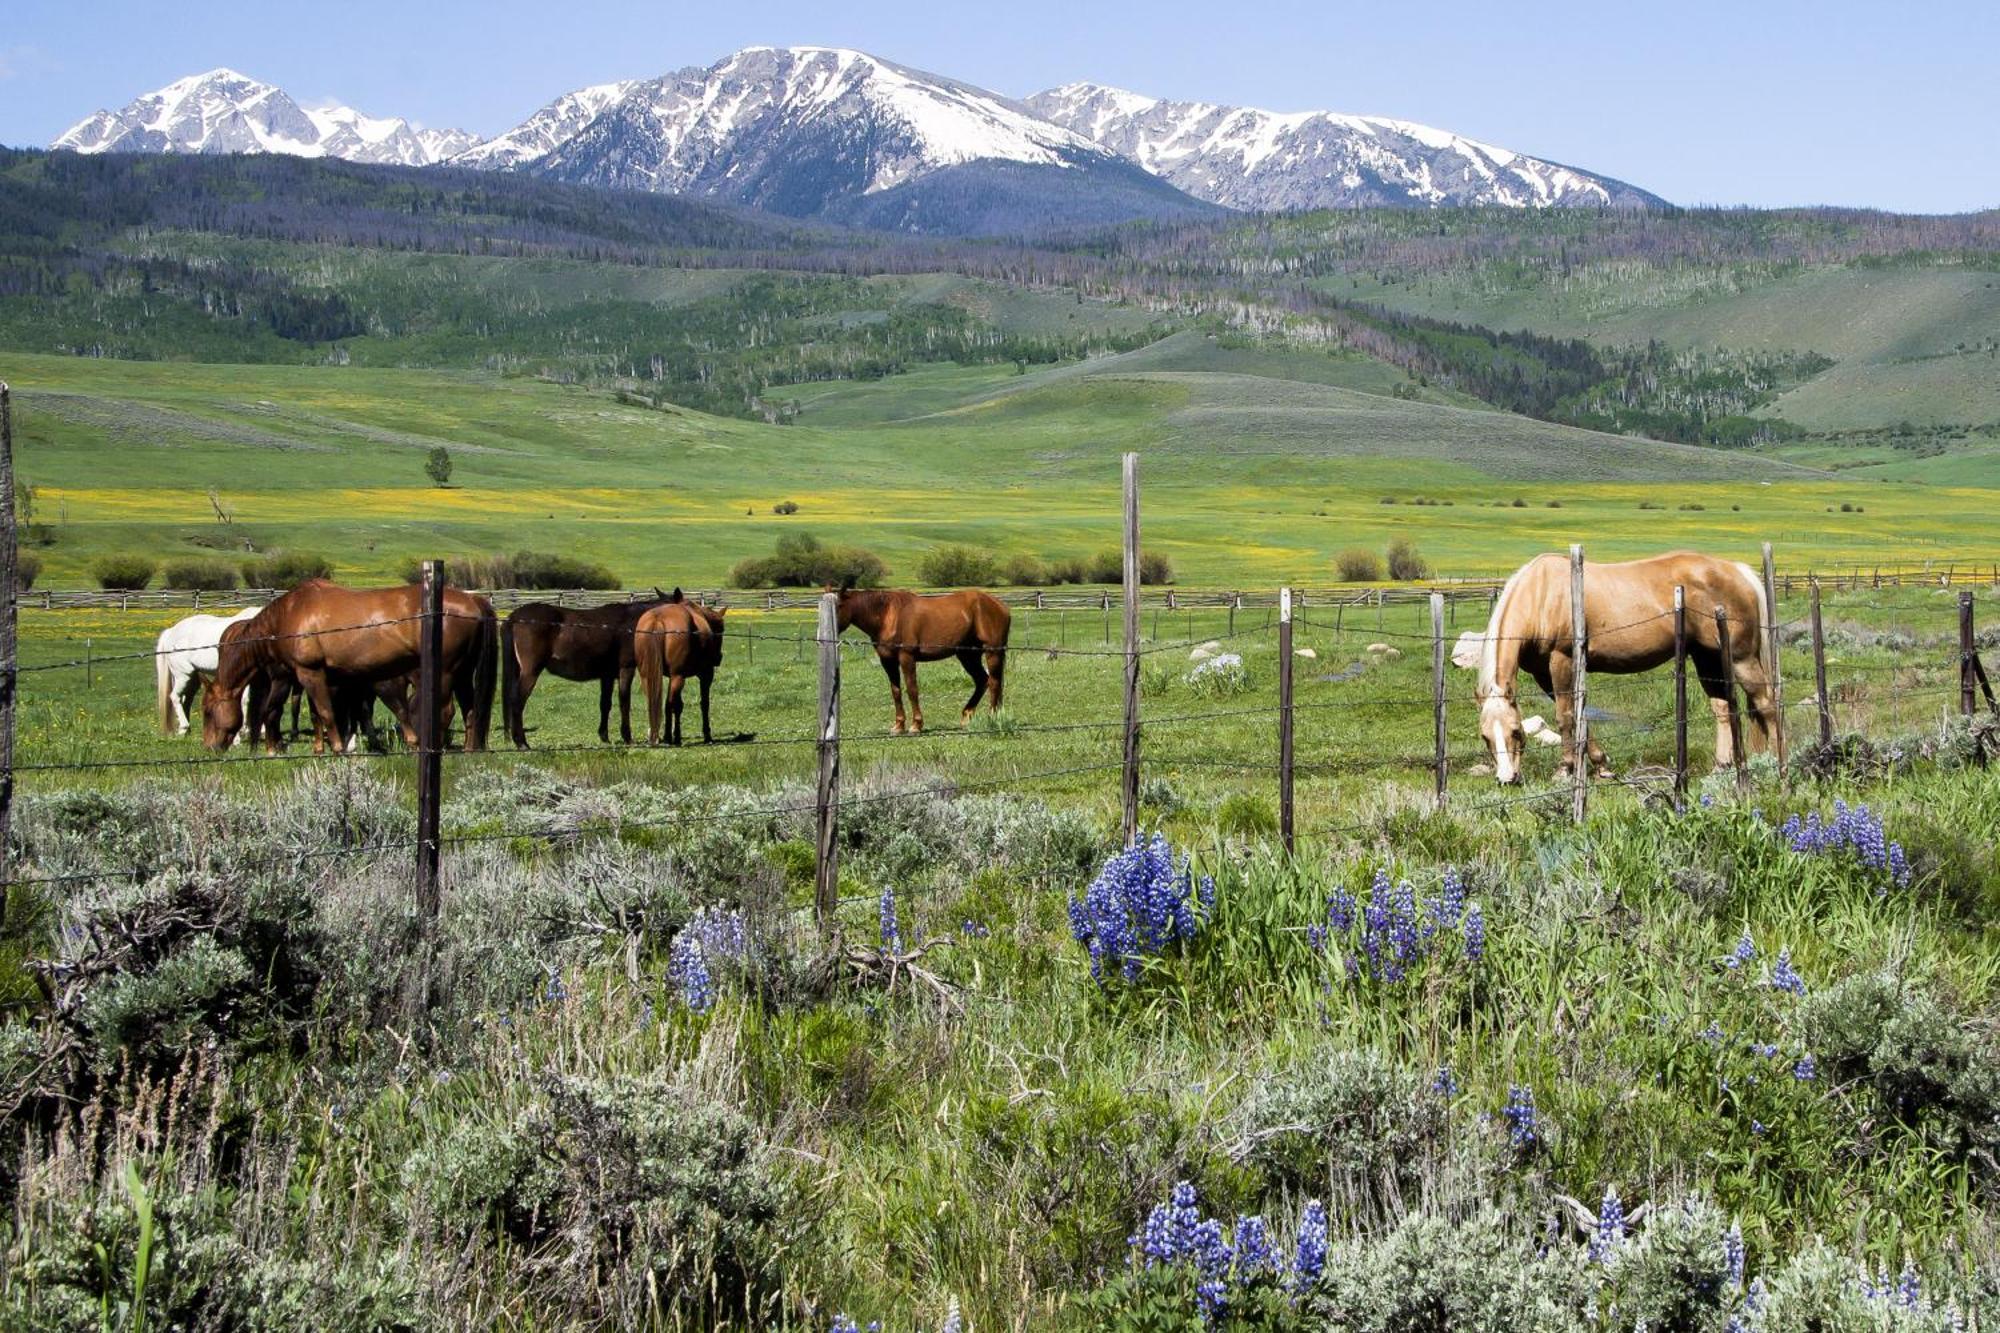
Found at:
(223, 111)
(1242, 157)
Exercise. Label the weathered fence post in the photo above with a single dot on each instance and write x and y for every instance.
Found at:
(89, 667)
(1819, 671)
(1729, 689)
(1580, 720)
(430, 778)
(826, 846)
(1968, 647)
(1680, 699)
(1286, 827)
(1770, 632)
(1437, 690)
(1131, 784)
(8, 668)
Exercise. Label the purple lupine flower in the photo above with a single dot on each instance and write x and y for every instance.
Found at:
(1522, 1127)
(1309, 1260)
(1340, 911)
(1806, 1070)
(1451, 901)
(954, 1322)
(1254, 1252)
(892, 933)
(1909, 1292)
(1712, 1034)
(1610, 1232)
(1767, 1050)
(1475, 933)
(1743, 954)
(1140, 903)
(843, 1324)
(1784, 978)
(1316, 938)
(1444, 1084)
(1732, 1254)
(687, 969)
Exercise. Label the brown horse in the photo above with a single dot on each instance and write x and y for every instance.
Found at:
(908, 629)
(673, 641)
(1628, 627)
(323, 637)
(593, 643)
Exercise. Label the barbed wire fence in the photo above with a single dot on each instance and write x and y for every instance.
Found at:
(1338, 612)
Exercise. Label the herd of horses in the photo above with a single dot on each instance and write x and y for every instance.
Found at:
(341, 650)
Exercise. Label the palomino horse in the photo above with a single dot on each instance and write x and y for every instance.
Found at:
(183, 660)
(908, 629)
(1628, 627)
(673, 641)
(323, 636)
(593, 643)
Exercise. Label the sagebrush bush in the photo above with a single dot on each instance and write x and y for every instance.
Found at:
(1025, 571)
(1109, 567)
(1404, 561)
(1352, 1119)
(285, 569)
(123, 573)
(522, 569)
(198, 575)
(27, 568)
(956, 567)
(1357, 564)
(802, 562)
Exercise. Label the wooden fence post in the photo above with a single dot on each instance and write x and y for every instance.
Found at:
(1729, 688)
(1286, 826)
(1580, 720)
(1131, 785)
(1437, 690)
(826, 845)
(1819, 671)
(1770, 632)
(1967, 648)
(1680, 699)
(9, 568)
(430, 775)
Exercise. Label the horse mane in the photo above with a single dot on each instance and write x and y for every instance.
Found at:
(1489, 684)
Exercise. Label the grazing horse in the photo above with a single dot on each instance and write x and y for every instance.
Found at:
(1628, 627)
(324, 637)
(576, 644)
(675, 640)
(908, 629)
(183, 660)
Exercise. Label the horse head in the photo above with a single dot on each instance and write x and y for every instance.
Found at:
(1500, 728)
(221, 714)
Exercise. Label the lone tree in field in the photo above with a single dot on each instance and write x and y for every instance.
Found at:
(438, 466)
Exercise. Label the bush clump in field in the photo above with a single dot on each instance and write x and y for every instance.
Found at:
(1405, 563)
(27, 568)
(1024, 571)
(785, 508)
(801, 561)
(1651, 504)
(1357, 564)
(198, 576)
(124, 573)
(285, 569)
(1353, 1117)
(523, 569)
(1220, 677)
(957, 567)
(1109, 567)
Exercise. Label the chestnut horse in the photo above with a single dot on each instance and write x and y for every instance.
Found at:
(908, 629)
(593, 643)
(324, 637)
(1628, 627)
(672, 641)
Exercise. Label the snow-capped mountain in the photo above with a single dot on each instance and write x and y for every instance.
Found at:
(226, 112)
(554, 125)
(1244, 158)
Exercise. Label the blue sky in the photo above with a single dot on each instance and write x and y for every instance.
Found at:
(1758, 101)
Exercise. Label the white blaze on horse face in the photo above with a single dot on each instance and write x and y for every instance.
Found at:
(1499, 726)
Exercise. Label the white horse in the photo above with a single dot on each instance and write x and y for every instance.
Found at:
(183, 660)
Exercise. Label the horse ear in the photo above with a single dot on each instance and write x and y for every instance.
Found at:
(675, 596)
(847, 584)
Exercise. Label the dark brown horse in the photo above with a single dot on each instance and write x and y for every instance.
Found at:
(674, 641)
(593, 643)
(908, 629)
(325, 637)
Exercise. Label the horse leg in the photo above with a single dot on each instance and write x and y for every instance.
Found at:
(909, 663)
(325, 718)
(182, 694)
(969, 659)
(516, 708)
(707, 737)
(625, 704)
(1762, 702)
(604, 686)
(895, 691)
(674, 687)
(1708, 670)
(996, 667)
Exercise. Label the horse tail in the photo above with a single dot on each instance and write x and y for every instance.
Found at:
(510, 678)
(163, 679)
(479, 718)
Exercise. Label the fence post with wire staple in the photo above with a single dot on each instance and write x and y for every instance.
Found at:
(1437, 690)
(1729, 689)
(1287, 828)
(1770, 632)
(430, 773)
(1819, 671)
(1680, 698)
(1131, 781)
(826, 844)
(9, 570)
(1579, 717)
(1968, 647)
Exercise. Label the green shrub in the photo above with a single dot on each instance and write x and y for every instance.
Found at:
(1109, 567)
(123, 573)
(523, 569)
(1024, 571)
(802, 562)
(198, 575)
(27, 568)
(1070, 569)
(285, 569)
(1358, 564)
(1405, 563)
(1245, 814)
(1354, 1117)
(956, 567)
(785, 507)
